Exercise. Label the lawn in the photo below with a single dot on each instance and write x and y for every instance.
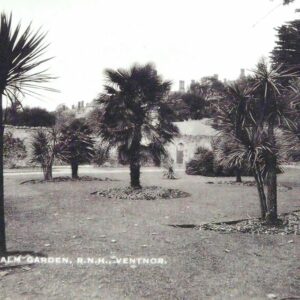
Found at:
(65, 220)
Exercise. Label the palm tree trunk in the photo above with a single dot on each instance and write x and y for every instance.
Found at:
(74, 167)
(238, 175)
(271, 215)
(261, 193)
(135, 174)
(47, 170)
(3, 249)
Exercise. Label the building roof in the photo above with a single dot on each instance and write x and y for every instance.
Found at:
(196, 127)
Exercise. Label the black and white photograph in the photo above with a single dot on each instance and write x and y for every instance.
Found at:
(150, 149)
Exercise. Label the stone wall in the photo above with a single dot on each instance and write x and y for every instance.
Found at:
(187, 144)
(25, 134)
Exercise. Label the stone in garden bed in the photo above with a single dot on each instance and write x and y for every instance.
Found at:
(146, 193)
(65, 179)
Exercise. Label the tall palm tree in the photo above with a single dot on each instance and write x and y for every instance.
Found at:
(135, 117)
(264, 108)
(20, 70)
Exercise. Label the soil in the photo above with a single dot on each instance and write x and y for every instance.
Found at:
(287, 224)
(146, 193)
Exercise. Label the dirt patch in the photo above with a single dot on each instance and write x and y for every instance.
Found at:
(146, 193)
(66, 178)
(288, 224)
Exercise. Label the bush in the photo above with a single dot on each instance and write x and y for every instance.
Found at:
(202, 163)
(205, 163)
(14, 151)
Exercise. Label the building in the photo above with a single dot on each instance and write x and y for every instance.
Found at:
(192, 134)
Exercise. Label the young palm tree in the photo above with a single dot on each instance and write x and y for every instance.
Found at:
(20, 70)
(45, 148)
(76, 144)
(135, 117)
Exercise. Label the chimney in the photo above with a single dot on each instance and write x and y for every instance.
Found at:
(181, 86)
(242, 74)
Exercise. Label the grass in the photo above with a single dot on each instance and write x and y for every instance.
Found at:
(63, 219)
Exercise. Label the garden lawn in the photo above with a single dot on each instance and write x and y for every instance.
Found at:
(65, 220)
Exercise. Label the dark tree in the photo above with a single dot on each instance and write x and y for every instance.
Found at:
(287, 49)
(136, 117)
(76, 144)
(31, 117)
(20, 69)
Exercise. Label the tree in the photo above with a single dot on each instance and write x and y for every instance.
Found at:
(76, 144)
(136, 117)
(263, 109)
(230, 118)
(31, 117)
(20, 69)
(45, 148)
(287, 49)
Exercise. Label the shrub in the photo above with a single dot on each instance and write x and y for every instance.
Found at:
(202, 163)
(205, 163)
(14, 151)
(101, 154)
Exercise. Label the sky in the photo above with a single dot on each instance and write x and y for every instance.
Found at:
(184, 39)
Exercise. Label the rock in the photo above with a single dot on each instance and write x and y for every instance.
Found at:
(271, 296)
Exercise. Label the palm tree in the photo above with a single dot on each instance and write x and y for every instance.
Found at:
(20, 70)
(231, 116)
(45, 148)
(76, 144)
(263, 109)
(135, 117)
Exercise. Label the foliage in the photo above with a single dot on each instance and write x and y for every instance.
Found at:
(14, 150)
(135, 117)
(249, 119)
(76, 144)
(197, 102)
(207, 163)
(287, 49)
(202, 163)
(63, 116)
(101, 154)
(31, 117)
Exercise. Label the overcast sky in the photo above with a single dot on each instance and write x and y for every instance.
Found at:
(184, 39)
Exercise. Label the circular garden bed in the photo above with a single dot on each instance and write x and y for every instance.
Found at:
(145, 193)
